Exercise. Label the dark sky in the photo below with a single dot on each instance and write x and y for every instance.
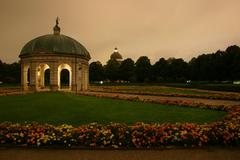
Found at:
(155, 28)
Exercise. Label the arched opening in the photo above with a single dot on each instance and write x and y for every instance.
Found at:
(28, 76)
(47, 77)
(43, 77)
(64, 77)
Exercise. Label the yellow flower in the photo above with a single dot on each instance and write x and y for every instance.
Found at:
(115, 146)
(21, 134)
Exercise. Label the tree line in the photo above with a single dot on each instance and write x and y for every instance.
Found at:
(10, 73)
(218, 66)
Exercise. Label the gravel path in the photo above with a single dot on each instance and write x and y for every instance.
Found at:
(172, 154)
(195, 100)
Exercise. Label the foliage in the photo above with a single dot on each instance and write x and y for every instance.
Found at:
(10, 73)
(126, 70)
(222, 65)
(112, 70)
(160, 70)
(96, 72)
(219, 66)
(143, 69)
(171, 70)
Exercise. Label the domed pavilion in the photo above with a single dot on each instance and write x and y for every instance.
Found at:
(49, 59)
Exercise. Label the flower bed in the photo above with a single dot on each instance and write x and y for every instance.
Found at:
(140, 135)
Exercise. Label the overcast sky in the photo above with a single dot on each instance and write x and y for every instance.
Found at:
(154, 28)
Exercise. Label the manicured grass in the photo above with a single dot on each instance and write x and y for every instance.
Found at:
(194, 85)
(58, 108)
(159, 89)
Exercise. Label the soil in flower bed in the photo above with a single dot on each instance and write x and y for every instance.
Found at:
(58, 108)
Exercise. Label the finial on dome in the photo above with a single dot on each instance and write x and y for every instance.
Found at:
(116, 55)
(57, 19)
(56, 28)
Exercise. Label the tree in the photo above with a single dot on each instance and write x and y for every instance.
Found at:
(112, 70)
(96, 71)
(176, 69)
(159, 70)
(15, 72)
(126, 69)
(143, 69)
(10, 73)
(219, 66)
(201, 68)
(1, 71)
(233, 62)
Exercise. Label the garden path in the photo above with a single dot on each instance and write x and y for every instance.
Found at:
(185, 99)
(74, 154)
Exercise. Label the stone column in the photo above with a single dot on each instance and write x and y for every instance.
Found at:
(84, 78)
(33, 76)
(74, 76)
(54, 76)
(79, 77)
(24, 70)
(87, 77)
(41, 76)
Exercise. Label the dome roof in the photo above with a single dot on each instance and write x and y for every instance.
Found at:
(116, 54)
(55, 43)
(52, 43)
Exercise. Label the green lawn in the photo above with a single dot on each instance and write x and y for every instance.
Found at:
(58, 108)
(169, 90)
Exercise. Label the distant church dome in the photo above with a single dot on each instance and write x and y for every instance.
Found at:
(116, 55)
(55, 43)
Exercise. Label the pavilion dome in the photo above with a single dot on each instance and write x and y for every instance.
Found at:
(55, 43)
(116, 55)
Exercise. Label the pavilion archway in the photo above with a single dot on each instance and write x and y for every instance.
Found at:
(43, 77)
(64, 77)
